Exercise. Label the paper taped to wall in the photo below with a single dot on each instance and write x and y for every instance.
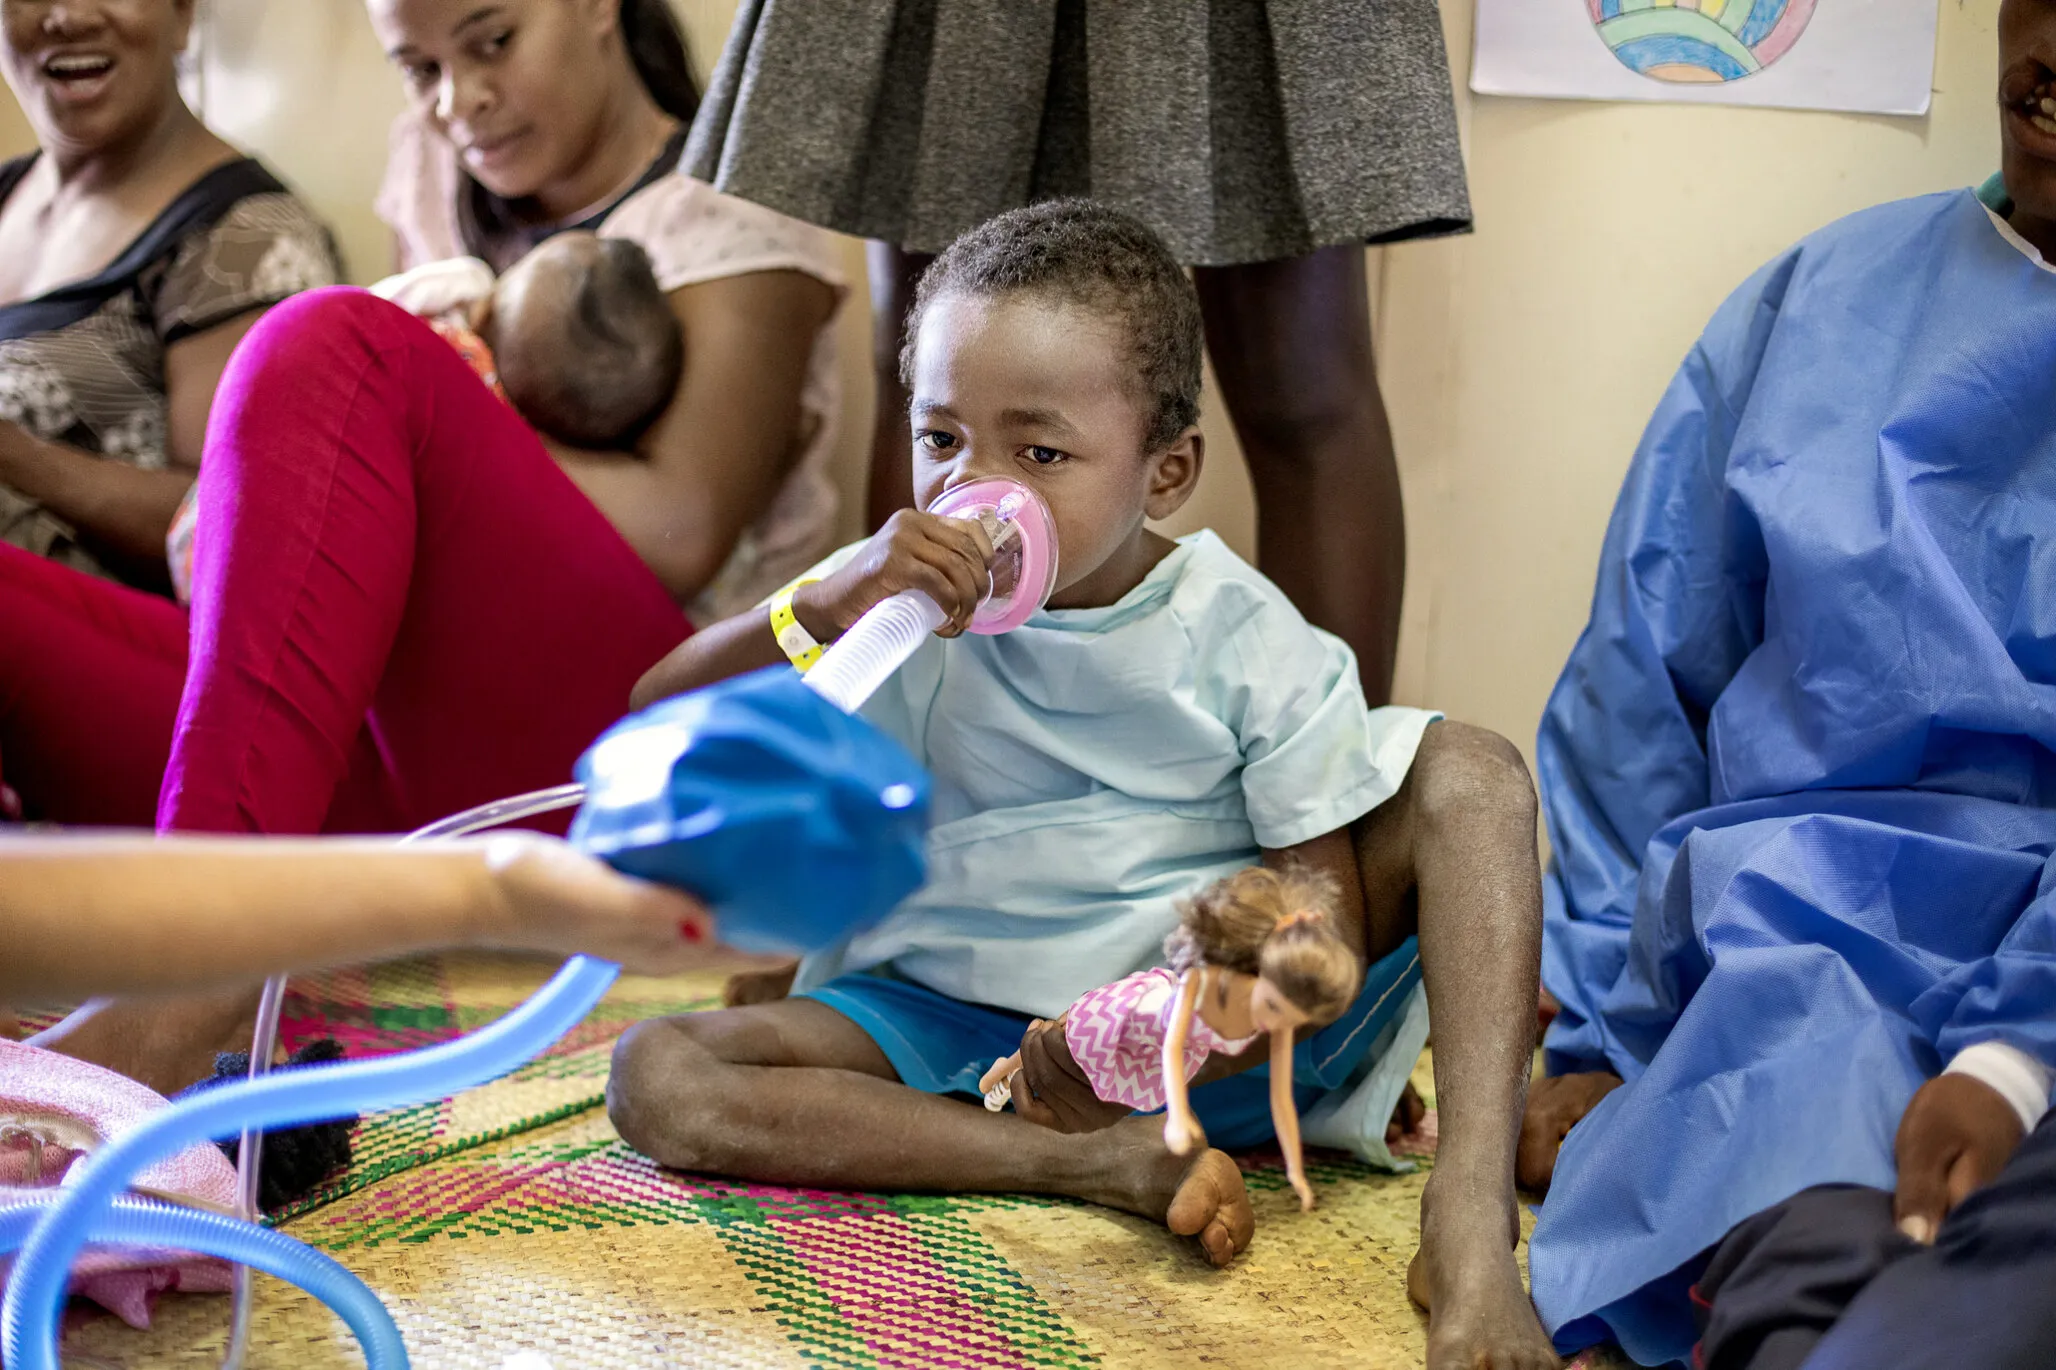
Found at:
(1862, 56)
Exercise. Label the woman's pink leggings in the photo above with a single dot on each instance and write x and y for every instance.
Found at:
(401, 607)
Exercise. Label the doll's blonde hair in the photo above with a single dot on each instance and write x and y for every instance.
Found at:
(1279, 925)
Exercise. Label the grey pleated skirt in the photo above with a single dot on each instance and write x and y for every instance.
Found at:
(1242, 130)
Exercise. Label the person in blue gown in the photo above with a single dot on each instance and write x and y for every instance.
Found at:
(1800, 770)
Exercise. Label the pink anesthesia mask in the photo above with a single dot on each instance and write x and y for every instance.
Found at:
(1024, 539)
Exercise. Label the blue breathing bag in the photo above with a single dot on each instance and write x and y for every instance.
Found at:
(797, 823)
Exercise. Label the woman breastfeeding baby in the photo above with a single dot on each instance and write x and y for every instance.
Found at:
(1168, 721)
(576, 337)
(405, 599)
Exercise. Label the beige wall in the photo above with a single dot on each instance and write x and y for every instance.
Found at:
(1520, 362)
(1523, 360)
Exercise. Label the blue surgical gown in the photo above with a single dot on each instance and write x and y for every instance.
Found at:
(1798, 772)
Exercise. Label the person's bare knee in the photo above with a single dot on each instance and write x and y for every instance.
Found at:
(687, 1091)
(1463, 774)
(1291, 343)
(669, 1093)
(1306, 428)
(1466, 805)
(678, 1089)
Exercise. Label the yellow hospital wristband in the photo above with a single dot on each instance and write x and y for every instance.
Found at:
(796, 642)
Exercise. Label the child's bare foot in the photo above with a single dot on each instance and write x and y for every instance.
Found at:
(1479, 1314)
(1195, 1196)
(1212, 1204)
(1409, 1113)
(1555, 1106)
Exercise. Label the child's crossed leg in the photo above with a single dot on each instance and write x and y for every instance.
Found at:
(794, 1093)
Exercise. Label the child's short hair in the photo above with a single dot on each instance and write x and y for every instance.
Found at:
(1088, 254)
(607, 366)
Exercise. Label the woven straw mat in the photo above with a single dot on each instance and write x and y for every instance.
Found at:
(511, 1218)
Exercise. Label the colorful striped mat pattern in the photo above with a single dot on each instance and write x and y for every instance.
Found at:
(376, 1010)
(511, 1218)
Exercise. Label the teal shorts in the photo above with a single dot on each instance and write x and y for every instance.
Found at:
(941, 1045)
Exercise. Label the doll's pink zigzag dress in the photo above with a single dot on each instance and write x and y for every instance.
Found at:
(1117, 1032)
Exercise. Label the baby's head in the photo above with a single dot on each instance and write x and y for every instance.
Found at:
(1279, 928)
(1060, 345)
(586, 345)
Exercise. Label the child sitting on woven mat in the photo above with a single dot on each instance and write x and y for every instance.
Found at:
(1167, 720)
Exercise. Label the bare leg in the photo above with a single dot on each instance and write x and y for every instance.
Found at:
(1291, 346)
(1453, 856)
(794, 1093)
(894, 274)
(166, 1044)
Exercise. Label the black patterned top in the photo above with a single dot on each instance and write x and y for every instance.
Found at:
(84, 363)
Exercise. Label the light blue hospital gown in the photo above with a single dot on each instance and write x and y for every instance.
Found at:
(1096, 765)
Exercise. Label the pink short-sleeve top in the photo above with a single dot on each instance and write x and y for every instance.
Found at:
(1117, 1033)
(693, 234)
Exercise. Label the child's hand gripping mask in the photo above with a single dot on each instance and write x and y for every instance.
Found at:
(1024, 540)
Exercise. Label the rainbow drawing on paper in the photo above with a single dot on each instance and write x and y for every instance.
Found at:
(1699, 40)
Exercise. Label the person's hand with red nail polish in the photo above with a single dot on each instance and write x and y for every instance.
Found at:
(1956, 1135)
(550, 897)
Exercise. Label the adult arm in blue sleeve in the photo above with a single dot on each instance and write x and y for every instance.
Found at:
(1678, 606)
(2009, 996)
